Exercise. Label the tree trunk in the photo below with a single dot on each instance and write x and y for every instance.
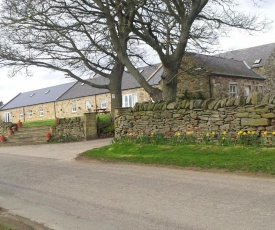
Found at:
(115, 87)
(169, 83)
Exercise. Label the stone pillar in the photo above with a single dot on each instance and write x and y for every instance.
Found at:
(90, 126)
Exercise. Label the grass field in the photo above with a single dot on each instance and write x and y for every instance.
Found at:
(230, 158)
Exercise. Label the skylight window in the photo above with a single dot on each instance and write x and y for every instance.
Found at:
(32, 95)
(258, 61)
(47, 91)
(141, 70)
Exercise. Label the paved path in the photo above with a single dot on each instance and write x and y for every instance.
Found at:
(62, 151)
(70, 195)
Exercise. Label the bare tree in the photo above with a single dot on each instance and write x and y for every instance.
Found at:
(168, 25)
(67, 36)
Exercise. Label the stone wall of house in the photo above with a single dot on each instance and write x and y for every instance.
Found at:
(220, 85)
(268, 71)
(48, 108)
(64, 108)
(253, 113)
(193, 80)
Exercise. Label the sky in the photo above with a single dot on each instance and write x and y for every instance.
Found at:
(42, 78)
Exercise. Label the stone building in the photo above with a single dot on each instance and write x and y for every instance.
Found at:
(75, 99)
(204, 76)
(234, 73)
(261, 59)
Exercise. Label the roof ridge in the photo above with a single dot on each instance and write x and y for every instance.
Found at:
(218, 57)
(252, 47)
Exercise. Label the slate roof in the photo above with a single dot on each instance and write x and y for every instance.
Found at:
(250, 55)
(225, 67)
(128, 82)
(39, 96)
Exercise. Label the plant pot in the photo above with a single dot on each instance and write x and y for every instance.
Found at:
(10, 132)
(48, 136)
(19, 124)
(2, 138)
(14, 128)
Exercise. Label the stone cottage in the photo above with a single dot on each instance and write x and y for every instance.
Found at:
(75, 99)
(204, 76)
(260, 59)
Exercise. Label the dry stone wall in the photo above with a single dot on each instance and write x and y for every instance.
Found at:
(69, 128)
(254, 113)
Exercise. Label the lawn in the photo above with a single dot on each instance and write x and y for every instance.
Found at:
(230, 158)
(39, 123)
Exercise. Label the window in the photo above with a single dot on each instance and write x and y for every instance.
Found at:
(30, 113)
(103, 103)
(260, 89)
(88, 105)
(247, 90)
(41, 112)
(129, 100)
(7, 117)
(73, 107)
(258, 61)
(233, 89)
(21, 114)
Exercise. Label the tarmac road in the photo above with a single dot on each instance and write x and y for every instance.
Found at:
(67, 195)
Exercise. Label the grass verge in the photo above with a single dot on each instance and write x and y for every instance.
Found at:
(39, 123)
(230, 158)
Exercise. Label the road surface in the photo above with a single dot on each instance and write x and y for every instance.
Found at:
(67, 195)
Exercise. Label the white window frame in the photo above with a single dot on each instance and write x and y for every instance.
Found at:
(7, 117)
(129, 100)
(249, 87)
(41, 111)
(88, 105)
(73, 107)
(21, 114)
(233, 93)
(103, 103)
(30, 113)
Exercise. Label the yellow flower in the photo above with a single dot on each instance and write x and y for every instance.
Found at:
(273, 133)
(152, 134)
(253, 133)
(177, 134)
(248, 132)
(224, 133)
(265, 133)
(213, 133)
(240, 132)
(244, 133)
(207, 134)
(188, 133)
(200, 134)
(223, 138)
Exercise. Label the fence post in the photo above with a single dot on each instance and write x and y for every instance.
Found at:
(90, 126)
